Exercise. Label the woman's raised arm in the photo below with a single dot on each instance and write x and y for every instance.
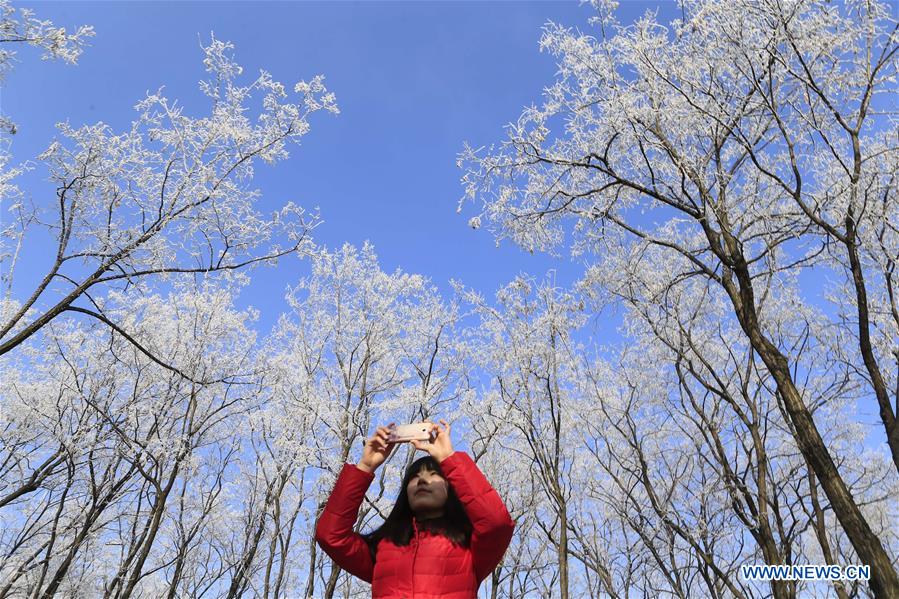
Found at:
(491, 524)
(334, 531)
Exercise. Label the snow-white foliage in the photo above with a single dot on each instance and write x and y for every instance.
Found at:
(21, 26)
(170, 196)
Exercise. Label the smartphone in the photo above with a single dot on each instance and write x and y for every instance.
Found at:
(417, 431)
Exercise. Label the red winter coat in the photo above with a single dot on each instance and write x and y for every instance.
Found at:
(430, 567)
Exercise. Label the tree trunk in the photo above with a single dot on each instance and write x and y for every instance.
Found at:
(884, 580)
(331, 585)
(310, 579)
(563, 551)
(864, 342)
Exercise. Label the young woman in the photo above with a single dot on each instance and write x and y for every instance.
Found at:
(446, 533)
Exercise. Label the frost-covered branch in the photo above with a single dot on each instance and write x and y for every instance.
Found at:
(170, 196)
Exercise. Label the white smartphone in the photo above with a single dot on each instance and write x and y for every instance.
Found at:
(417, 431)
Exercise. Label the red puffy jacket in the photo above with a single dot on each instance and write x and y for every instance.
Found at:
(430, 567)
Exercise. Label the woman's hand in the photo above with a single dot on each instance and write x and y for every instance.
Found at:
(440, 447)
(376, 450)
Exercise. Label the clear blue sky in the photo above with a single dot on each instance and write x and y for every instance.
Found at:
(413, 82)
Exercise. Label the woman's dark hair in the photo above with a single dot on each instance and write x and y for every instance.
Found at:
(454, 524)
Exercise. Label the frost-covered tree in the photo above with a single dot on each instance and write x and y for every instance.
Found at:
(20, 26)
(731, 153)
(697, 465)
(528, 356)
(131, 457)
(170, 197)
(358, 348)
(121, 477)
(114, 466)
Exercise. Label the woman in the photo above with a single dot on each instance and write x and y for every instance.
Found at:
(446, 533)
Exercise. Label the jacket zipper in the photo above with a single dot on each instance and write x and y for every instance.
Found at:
(414, 554)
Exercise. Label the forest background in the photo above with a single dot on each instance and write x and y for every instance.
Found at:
(664, 323)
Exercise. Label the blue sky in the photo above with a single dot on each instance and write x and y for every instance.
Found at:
(414, 80)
